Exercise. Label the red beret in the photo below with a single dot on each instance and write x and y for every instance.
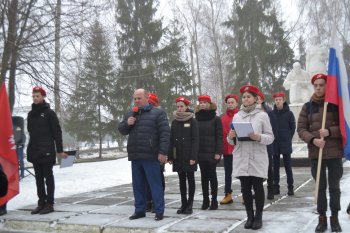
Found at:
(250, 88)
(279, 94)
(39, 89)
(205, 98)
(262, 96)
(231, 96)
(183, 99)
(318, 76)
(153, 99)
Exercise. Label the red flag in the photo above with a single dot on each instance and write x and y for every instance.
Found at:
(8, 156)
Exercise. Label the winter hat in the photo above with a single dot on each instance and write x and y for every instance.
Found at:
(153, 99)
(205, 98)
(183, 99)
(250, 88)
(39, 89)
(279, 94)
(318, 76)
(231, 96)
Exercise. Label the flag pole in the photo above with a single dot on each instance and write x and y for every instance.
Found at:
(320, 152)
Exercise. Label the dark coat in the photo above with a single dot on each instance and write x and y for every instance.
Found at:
(184, 143)
(150, 134)
(284, 124)
(3, 183)
(272, 117)
(210, 134)
(18, 130)
(309, 124)
(45, 134)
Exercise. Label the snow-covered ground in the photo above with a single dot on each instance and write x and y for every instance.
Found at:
(82, 177)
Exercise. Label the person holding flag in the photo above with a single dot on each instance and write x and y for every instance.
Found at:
(8, 157)
(326, 138)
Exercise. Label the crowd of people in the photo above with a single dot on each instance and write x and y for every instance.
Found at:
(198, 136)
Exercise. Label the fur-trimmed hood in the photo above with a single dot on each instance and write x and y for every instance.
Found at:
(211, 107)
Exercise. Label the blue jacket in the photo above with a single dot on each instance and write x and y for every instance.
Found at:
(284, 129)
(150, 134)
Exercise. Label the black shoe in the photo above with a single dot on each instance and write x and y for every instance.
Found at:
(290, 191)
(188, 209)
(276, 190)
(37, 209)
(183, 207)
(322, 224)
(335, 226)
(3, 212)
(136, 216)
(257, 224)
(48, 208)
(348, 209)
(205, 204)
(270, 195)
(159, 217)
(249, 223)
(213, 205)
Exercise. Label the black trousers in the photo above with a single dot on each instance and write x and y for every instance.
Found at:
(208, 175)
(185, 177)
(287, 166)
(335, 172)
(270, 173)
(247, 183)
(44, 175)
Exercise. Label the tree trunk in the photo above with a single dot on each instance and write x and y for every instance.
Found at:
(11, 39)
(194, 86)
(56, 88)
(197, 62)
(12, 77)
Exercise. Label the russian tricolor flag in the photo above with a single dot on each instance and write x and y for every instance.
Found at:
(337, 91)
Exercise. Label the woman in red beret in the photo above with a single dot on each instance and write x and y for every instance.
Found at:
(231, 101)
(250, 159)
(183, 151)
(210, 149)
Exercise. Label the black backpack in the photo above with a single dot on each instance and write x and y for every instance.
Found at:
(3, 183)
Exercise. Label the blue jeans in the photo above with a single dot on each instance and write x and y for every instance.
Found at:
(20, 158)
(143, 172)
(287, 167)
(228, 173)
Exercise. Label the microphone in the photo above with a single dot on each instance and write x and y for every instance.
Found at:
(232, 126)
(135, 111)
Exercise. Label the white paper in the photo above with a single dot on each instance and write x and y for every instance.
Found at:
(243, 129)
(67, 162)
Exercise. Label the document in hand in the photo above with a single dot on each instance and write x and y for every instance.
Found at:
(243, 129)
(68, 162)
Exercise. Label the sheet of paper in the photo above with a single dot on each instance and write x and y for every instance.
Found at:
(67, 162)
(243, 129)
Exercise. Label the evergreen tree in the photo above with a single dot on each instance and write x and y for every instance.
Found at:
(90, 100)
(261, 54)
(174, 74)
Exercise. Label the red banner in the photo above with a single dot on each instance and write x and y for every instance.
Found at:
(8, 156)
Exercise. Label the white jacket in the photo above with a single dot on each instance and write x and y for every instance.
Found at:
(250, 157)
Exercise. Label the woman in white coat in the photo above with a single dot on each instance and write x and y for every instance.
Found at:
(250, 159)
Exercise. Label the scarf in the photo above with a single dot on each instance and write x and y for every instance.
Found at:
(231, 112)
(183, 116)
(249, 108)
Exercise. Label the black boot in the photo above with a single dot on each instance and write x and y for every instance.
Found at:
(249, 223)
(322, 224)
(183, 207)
(335, 226)
(257, 224)
(188, 209)
(270, 193)
(276, 189)
(213, 204)
(40, 206)
(348, 209)
(206, 203)
(290, 190)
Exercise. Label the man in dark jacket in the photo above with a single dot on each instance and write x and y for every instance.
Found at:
(148, 144)
(284, 132)
(45, 139)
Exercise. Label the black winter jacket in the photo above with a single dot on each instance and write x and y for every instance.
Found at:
(284, 129)
(150, 134)
(184, 142)
(45, 133)
(210, 134)
(3, 183)
(272, 117)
